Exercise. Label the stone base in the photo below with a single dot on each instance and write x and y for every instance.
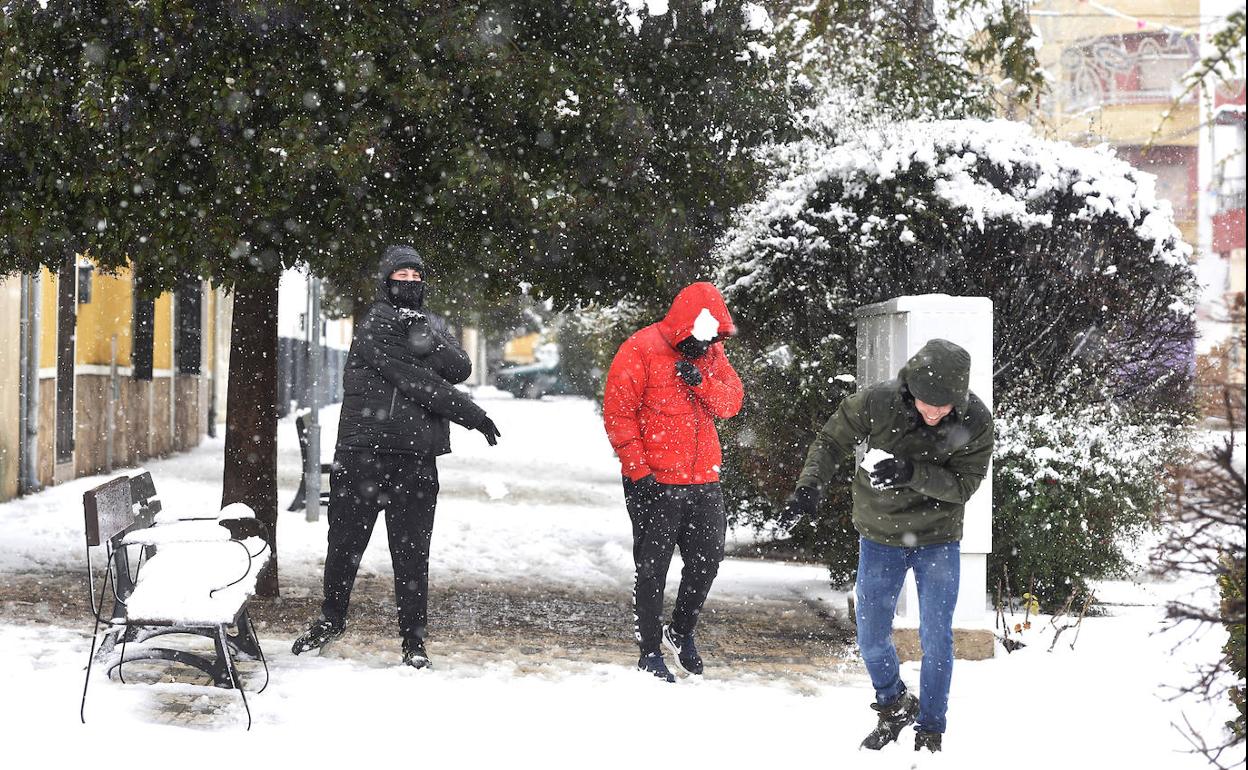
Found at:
(968, 643)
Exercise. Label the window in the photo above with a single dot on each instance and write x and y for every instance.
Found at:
(66, 325)
(144, 329)
(189, 327)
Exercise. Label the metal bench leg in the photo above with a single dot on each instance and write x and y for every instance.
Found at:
(223, 649)
(265, 663)
(245, 641)
(95, 634)
(214, 668)
(298, 503)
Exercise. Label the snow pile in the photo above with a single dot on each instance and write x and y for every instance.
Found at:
(561, 712)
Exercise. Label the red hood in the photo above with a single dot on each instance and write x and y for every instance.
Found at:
(677, 325)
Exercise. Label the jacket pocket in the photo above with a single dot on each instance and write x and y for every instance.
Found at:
(668, 400)
(668, 428)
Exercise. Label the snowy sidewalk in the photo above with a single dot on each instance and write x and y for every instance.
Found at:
(531, 551)
(530, 633)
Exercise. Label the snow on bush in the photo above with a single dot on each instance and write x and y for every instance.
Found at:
(1090, 280)
(952, 155)
(751, 17)
(1074, 491)
(1036, 450)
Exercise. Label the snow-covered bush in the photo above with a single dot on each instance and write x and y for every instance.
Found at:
(1089, 277)
(1073, 491)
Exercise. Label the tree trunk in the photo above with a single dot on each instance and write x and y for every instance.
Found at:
(251, 414)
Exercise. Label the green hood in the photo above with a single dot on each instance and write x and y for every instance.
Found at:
(939, 374)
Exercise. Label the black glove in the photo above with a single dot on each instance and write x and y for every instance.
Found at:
(693, 347)
(689, 373)
(421, 339)
(489, 430)
(801, 505)
(648, 487)
(892, 473)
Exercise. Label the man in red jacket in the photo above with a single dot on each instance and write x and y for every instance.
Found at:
(667, 385)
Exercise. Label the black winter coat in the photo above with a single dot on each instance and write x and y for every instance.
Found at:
(395, 400)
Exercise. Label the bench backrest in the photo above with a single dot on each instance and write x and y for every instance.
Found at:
(143, 494)
(108, 509)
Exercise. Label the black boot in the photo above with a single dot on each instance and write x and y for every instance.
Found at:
(319, 634)
(414, 654)
(653, 663)
(686, 652)
(929, 741)
(893, 718)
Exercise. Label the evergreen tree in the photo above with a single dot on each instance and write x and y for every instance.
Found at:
(563, 144)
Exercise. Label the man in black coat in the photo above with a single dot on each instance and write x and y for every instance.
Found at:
(399, 400)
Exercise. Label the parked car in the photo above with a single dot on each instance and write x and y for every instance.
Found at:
(539, 376)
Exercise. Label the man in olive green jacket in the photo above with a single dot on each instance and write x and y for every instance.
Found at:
(908, 511)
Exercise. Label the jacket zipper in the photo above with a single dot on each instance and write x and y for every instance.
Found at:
(697, 430)
(394, 397)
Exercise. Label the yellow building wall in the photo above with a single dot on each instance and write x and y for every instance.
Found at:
(110, 312)
(1068, 25)
(1135, 124)
(10, 347)
(47, 320)
(1063, 24)
(1081, 20)
(162, 347)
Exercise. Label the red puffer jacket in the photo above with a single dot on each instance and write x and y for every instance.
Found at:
(656, 422)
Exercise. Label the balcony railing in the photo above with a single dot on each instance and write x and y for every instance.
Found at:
(1079, 101)
(1231, 194)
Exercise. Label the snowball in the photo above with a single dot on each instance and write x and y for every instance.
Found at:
(705, 327)
(872, 458)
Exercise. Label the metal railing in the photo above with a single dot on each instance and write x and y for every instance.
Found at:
(1231, 193)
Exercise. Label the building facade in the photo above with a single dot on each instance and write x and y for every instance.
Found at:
(1118, 79)
(1121, 77)
(1222, 308)
(94, 376)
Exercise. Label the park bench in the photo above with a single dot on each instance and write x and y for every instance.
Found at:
(171, 576)
(299, 503)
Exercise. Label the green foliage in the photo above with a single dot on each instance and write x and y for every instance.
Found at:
(1088, 276)
(1231, 585)
(1074, 491)
(1225, 62)
(904, 64)
(1009, 47)
(532, 141)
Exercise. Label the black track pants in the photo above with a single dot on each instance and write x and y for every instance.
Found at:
(361, 485)
(691, 517)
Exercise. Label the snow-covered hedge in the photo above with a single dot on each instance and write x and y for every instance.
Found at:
(1074, 490)
(1090, 280)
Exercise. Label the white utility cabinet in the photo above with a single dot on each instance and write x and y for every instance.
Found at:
(889, 333)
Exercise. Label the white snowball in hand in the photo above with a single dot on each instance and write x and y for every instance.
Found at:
(705, 327)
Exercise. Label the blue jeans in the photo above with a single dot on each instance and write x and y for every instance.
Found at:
(881, 575)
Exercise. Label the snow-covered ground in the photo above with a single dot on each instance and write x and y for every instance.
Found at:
(543, 510)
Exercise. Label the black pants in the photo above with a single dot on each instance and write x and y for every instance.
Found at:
(360, 486)
(691, 517)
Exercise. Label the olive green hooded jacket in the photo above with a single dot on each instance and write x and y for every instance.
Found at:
(950, 460)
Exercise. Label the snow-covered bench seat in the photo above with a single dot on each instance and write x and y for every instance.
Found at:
(199, 574)
(193, 576)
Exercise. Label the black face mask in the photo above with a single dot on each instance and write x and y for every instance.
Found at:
(406, 294)
(692, 347)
